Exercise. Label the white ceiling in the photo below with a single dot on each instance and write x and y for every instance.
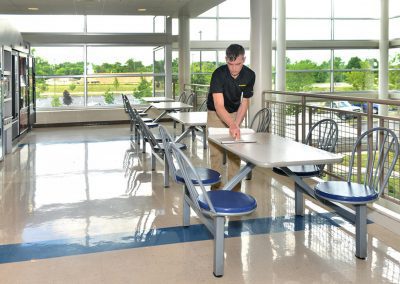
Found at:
(174, 8)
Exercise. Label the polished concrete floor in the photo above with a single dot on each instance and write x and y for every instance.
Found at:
(79, 205)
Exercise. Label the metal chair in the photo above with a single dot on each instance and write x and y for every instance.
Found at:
(211, 206)
(322, 135)
(261, 120)
(208, 176)
(203, 106)
(380, 146)
(158, 151)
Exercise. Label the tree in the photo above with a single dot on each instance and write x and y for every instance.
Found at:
(300, 81)
(394, 76)
(361, 80)
(144, 89)
(55, 101)
(116, 83)
(109, 97)
(354, 63)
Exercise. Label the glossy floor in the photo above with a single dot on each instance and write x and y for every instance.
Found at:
(79, 205)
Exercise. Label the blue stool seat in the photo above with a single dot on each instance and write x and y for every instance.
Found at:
(147, 119)
(228, 202)
(301, 171)
(346, 192)
(207, 176)
(151, 124)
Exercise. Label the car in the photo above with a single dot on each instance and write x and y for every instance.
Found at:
(345, 106)
(364, 107)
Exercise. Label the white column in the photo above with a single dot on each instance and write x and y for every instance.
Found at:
(184, 52)
(280, 77)
(384, 56)
(261, 50)
(168, 59)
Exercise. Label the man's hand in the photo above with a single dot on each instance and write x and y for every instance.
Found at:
(234, 131)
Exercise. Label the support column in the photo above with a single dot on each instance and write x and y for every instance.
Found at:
(168, 58)
(261, 50)
(184, 52)
(384, 56)
(280, 76)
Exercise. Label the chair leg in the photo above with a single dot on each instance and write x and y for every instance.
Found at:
(298, 200)
(219, 246)
(361, 231)
(224, 158)
(186, 208)
(144, 144)
(153, 162)
(166, 172)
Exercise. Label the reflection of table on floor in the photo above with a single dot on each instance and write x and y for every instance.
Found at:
(272, 151)
(168, 107)
(191, 120)
(156, 100)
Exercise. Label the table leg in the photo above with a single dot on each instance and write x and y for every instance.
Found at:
(149, 107)
(183, 134)
(239, 176)
(160, 116)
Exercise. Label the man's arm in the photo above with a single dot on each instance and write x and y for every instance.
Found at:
(225, 116)
(244, 105)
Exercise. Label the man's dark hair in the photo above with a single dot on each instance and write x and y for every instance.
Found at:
(233, 51)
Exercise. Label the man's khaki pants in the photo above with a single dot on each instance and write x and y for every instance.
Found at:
(216, 152)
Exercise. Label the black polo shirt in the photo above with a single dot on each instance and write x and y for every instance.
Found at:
(223, 82)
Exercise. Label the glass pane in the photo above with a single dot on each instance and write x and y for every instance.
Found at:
(234, 8)
(46, 23)
(203, 29)
(305, 81)
(347, 56)
(308, 29)
(356, 8)
(159, 24)
(159, 86)
(394, 31)
(317, 57)
(238, 29)
(120, 59)
(361, 80)
(210, 13)
(159, 60)
(59, 92)
(106, 91)
(356, 29)
(308, 8)
(394, 8)
(394, 66)
(175, 27)
(120, 24)
(59, 60)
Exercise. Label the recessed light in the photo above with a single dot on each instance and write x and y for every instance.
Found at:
(142, 10)
(33, 9)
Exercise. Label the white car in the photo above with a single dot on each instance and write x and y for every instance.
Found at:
(346, 106)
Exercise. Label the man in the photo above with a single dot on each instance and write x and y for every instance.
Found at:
(231, 88)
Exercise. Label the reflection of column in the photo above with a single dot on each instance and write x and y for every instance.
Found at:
(200, 32)
(184, 50)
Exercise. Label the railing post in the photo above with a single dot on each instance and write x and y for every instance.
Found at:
(359, 149)
(303, 119)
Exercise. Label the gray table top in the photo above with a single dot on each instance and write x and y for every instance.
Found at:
(191, 118)
(271, 150)
(170, 105)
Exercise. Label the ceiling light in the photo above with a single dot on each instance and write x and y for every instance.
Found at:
(142, 10)
(33, 9)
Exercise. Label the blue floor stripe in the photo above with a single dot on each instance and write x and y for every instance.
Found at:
(156, 237)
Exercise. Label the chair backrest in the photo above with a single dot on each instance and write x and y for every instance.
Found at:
(261, 120)
(182, 97)
(146, 132)
(189, 99)
(203, 106)
(323, 135)
(189, 174)
(379, 148)
(167, 141)
(125, 101)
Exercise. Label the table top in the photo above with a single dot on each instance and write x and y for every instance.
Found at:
(191, 118)
(271, 150)
(157, 99)
(170, 105)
